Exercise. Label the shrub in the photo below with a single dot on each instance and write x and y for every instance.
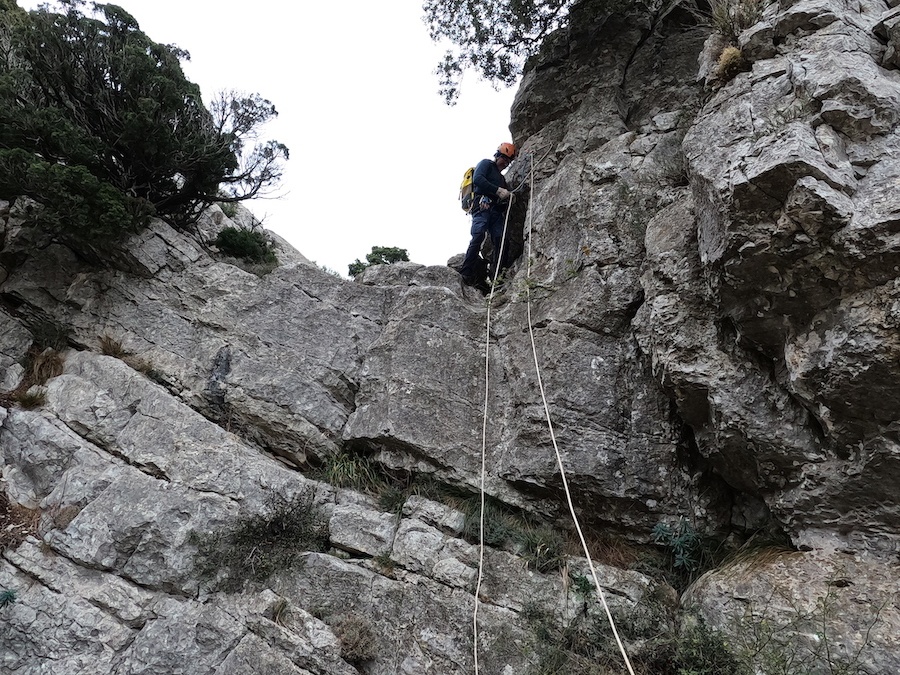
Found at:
(380, 255)
(585, 644)
(357, 639)
(730, 18)
(249, 245)
(259, 545)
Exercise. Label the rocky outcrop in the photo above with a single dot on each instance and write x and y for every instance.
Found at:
(712, 277)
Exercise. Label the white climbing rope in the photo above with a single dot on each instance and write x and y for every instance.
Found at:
(562, 471)
(487, 345)
(565, 482)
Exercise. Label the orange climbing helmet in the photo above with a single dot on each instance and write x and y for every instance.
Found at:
(508, 150)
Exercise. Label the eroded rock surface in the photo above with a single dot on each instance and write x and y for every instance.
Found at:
(712, 268)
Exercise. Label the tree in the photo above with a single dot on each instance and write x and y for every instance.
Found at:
(494, 37)
(99, 125)
(380, 255)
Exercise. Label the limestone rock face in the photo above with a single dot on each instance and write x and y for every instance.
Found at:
(709, 271)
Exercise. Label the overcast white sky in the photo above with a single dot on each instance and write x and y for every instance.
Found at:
(376, 155)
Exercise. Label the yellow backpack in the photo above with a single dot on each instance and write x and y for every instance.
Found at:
(467, 190)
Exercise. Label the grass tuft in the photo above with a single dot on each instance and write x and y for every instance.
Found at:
(109, 346)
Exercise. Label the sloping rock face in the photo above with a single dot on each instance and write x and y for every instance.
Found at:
(712, 283)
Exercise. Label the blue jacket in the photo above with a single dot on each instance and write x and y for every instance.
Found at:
(487, 179)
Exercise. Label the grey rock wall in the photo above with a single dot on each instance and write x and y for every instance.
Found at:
(713, 281)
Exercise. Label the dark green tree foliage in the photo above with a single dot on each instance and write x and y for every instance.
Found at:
(380, 255)
(492, 37)
(249, 245)
(99, 125)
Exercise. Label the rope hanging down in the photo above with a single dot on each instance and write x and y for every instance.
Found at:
(565, 482)
(487, 352)
(559, 461)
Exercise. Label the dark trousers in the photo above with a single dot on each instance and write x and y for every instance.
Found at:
(484, 224)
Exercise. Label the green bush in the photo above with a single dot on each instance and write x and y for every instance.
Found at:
(249, 245)
(380, 255)
(259, 545)
(99, 125)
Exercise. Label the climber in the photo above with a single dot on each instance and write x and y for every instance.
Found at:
(488, 215)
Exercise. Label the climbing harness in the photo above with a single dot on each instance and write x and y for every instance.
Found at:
(559, 460)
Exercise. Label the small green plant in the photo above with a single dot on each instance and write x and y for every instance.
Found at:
(392, 498)
(500, 524)
(259, 545)
(249, 245)
(686, 553)
(542, 547)
(7, 597)
(583, 585)
(357, 639)
(683, 543)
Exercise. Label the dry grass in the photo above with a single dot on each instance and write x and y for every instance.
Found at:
(16, 523)
(41, 366)
(112, 347)
(604, 549)
(753, 555)
(29, 400)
